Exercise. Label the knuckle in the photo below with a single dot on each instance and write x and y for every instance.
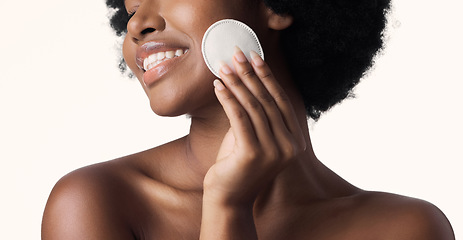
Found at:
(255, 154)
(290, 150)
(250, 155)
(266, 75)
(286, 149)
(280, 95)
(253, 104)
(240, 114)
(228, 97)
(248, 72)
(235, 82)
(273, 155)
(265, 97)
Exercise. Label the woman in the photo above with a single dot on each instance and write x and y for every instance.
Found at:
(247, 169)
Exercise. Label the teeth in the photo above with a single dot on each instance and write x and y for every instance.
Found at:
(179, 53)
(157, 58)
(170, 54)
(145, 63)
(161, 55)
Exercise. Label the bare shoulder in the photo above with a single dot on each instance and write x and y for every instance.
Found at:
(391, 216)
(117, 199)
(87, 204)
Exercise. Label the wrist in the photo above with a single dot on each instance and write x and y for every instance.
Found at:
(223, 219)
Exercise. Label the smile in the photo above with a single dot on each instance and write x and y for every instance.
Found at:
(157, 58)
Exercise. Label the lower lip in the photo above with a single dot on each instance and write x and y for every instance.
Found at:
(155, 74)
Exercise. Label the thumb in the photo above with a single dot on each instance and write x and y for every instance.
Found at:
(228, 143)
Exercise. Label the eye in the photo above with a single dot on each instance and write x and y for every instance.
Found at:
(131, 8)
(130, 15)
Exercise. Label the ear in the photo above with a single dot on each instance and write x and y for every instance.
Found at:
(278, 21)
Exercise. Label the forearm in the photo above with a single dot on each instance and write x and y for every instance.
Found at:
(225, 222)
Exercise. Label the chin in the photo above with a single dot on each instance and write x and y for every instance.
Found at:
(166, 111)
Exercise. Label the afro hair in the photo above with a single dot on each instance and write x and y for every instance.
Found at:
(329, 47)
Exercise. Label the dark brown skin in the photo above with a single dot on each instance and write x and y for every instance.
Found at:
(246, 170)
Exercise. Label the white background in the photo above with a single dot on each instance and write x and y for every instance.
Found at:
(64, 105)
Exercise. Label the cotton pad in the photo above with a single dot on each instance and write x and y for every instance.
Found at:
(220, 40)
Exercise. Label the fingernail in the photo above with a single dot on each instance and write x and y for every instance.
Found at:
(218, 85)
(256, 59)
(239, 55)
(225, 68)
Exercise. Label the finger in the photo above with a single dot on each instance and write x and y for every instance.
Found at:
(282, 100)
(239, 120)
(247, 100)
(249, 78)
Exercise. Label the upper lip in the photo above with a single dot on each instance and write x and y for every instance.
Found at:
(148, 48)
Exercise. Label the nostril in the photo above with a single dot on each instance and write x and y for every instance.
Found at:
(148, 30)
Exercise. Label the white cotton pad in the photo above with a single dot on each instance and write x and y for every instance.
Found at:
(220, 40)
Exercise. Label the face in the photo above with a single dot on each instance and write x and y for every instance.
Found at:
(163, 48)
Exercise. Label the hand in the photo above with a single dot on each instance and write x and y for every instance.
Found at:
(264, 136)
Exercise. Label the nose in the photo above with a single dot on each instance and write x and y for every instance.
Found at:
(146, 20)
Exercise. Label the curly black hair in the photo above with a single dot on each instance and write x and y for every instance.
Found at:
(330, 45)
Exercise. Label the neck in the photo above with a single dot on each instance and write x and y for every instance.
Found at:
(302, 180)
(209, 124)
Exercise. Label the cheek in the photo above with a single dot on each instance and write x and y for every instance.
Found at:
(194, 18)
(128, 52)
